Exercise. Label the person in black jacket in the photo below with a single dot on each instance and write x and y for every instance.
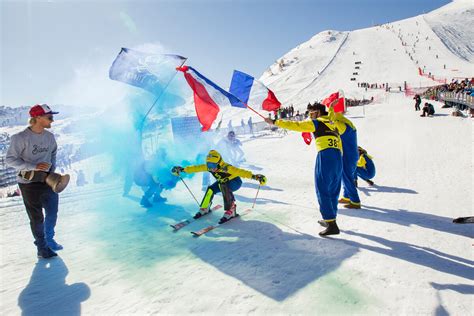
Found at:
(417, 99)
(428, 109)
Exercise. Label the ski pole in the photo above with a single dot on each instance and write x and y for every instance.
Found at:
(255, 200)
(189, 191)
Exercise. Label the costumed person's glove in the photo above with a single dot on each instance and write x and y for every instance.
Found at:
(177, 170)
(260, 178)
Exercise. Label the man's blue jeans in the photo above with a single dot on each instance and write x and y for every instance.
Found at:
(36, 196)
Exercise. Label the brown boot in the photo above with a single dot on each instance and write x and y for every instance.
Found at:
(352, 205)
(332, 229)
(344, 200)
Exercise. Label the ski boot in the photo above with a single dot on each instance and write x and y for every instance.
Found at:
(159, 199)
(145, 203)
(229, 214)
(202, 211)
(344, 200)
(331, 229)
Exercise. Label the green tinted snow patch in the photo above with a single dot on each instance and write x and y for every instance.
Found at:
(338, 293)
(136, 237)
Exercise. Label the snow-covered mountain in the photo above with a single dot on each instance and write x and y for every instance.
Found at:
(400, 254)
(440, 43)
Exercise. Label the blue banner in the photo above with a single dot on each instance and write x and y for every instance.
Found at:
(151, 72)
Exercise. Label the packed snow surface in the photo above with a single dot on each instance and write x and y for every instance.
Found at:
(400, 254)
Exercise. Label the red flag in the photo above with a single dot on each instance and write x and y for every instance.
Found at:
(339, 106)
(206, 108)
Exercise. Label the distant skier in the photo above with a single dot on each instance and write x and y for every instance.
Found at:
(230, 147)
(417, 99)
(328, 167)
(365, 166)
(228, 181)
(250, 124)
(81, 178)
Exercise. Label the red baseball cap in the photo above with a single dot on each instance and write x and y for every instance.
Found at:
(40, 110)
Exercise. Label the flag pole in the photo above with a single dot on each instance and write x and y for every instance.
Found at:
(248, 107)
(161, 94)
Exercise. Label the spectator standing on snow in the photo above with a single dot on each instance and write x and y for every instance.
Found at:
(35, 149)
(417, 99)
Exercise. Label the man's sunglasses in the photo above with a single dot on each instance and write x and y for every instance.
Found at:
(49, 117)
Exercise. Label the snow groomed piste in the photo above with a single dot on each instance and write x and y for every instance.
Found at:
(400, 253)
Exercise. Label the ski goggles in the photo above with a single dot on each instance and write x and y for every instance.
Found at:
(212, 165)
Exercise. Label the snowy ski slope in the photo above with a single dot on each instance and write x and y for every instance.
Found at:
(384, 57)
(398, 255)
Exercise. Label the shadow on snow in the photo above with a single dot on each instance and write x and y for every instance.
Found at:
(269, 260)
(47, 292)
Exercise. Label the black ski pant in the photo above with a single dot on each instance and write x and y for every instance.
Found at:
(227, 189)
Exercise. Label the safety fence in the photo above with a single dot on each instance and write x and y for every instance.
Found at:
(460, 100)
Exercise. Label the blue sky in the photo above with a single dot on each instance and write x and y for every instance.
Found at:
(46, 44)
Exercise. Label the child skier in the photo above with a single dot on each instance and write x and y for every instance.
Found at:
(228, 181)
(365, 166)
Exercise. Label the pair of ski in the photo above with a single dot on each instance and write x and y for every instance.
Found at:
(207, 229)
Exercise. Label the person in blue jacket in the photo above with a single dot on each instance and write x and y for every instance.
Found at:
(365, 166)
(350, 156)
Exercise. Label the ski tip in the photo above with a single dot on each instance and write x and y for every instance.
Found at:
(195, 234)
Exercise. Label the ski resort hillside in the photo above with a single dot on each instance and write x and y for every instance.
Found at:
(133, 245)
(439, 43)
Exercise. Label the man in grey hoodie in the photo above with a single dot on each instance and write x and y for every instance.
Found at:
(34, 149)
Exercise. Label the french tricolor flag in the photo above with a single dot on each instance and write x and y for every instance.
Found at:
(252, 92)
(208, 97)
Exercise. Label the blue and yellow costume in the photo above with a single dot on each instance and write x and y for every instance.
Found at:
(350, 157)
(328, 167)
(365, 165)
